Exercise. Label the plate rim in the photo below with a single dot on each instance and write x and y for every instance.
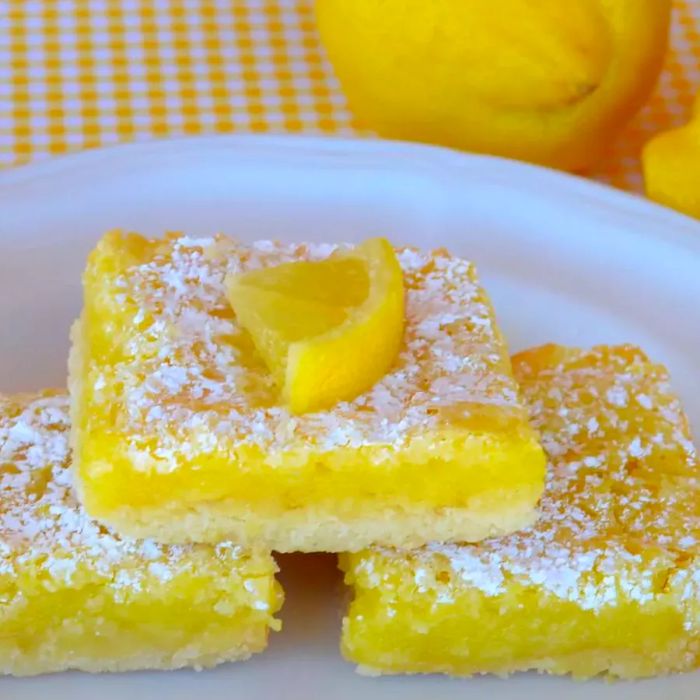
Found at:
(540, 182)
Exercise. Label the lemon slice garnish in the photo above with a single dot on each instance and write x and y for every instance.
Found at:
(327, 330)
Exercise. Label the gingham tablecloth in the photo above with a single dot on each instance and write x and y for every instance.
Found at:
(77, 74)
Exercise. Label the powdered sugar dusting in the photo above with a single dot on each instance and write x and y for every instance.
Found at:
(43, 526)
(192, 384)
(620, 517)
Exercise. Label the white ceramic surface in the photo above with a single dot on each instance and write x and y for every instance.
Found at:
(564, 260)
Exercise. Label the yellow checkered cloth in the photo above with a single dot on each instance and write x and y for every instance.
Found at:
(76, 74)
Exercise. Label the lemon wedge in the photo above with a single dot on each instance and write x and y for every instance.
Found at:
(327, 330)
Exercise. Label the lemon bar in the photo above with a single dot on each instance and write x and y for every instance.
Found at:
(608, 580)
(180, 434)
(75, 595)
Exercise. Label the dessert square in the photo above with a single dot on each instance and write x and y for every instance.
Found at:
(75, 595)
(606, 582)
(180, 434)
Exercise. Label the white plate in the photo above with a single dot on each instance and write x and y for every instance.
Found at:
(564, 260)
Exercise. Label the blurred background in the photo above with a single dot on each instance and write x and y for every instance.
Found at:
(77, 74)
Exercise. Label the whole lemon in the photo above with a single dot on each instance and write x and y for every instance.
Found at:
(548, 81)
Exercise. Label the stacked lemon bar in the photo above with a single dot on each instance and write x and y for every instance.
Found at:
(229, 399)
(296, 397)
(75, 594)
(606, 582)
